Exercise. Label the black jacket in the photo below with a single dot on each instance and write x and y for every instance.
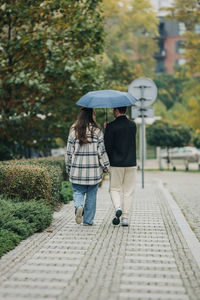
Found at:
(120, 142)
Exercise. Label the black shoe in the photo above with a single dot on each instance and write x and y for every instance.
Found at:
(118, 213)
(88, 224)
(116, 219)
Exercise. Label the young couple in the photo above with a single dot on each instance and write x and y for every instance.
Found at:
(89, 155)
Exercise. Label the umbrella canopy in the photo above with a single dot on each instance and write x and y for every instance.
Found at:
(106, 99)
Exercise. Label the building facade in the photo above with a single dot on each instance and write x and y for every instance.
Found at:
(170, 42)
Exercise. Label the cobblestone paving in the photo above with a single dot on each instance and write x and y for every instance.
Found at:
(147, 260)
(185, 189)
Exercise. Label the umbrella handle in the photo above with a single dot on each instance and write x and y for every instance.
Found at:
(106, 115)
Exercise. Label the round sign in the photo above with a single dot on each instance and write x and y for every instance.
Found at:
(143, 89)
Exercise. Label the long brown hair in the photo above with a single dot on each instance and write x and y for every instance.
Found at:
(84, 121)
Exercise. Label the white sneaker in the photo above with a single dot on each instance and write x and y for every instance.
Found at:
(124, 222)
(79, 215)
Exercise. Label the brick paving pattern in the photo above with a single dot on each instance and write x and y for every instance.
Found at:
(147, 260)
(185, 189)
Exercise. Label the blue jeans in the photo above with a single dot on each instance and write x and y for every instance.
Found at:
(90, 200)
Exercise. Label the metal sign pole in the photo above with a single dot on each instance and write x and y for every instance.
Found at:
(142, 114)
(142, 149)
(145, 90)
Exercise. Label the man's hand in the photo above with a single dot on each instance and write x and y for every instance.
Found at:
(105, 171)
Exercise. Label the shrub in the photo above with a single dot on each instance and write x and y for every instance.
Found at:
(66, 192)
(5, 151)
(19, 226)
(55, 171)
(53, 162)
(25, 181)
(18, 220)
(8, 240)
(36, 213)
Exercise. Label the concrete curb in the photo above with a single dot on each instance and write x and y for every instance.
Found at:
(187, 232)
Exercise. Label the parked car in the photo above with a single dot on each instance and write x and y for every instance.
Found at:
(184, 155)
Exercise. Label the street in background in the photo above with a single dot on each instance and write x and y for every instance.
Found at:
(184, 155)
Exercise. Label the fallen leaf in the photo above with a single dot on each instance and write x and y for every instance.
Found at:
(49, 230)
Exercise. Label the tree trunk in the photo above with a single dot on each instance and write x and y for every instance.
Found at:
(168, 158)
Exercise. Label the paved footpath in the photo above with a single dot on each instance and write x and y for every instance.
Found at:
(157, 257)
(184, 187)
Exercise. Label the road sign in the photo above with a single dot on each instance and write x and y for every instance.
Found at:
(137, 112)
(143, 89)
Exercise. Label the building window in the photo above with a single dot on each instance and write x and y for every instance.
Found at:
(180, 61)
(197, 28)
(180, 48)
(181, 28)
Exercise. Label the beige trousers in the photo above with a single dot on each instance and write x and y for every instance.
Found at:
(122, 187)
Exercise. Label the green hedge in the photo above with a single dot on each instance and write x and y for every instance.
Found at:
(25, 182)
(66, 192)
(8, 241)
(52, 169)
(36, 182)
(54, 162)
(18, 220)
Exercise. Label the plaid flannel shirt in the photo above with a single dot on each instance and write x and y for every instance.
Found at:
(85, 164)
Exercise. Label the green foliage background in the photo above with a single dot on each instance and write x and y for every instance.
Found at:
(48, 59)
(52, 52)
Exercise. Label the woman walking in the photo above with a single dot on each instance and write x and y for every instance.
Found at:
(86, 161)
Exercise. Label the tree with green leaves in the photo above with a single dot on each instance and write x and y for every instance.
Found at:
(170, 89)
(188, 12)
(178, 97)
(48, 53)
(130, 28)
(163, 134)
(196, 139)
(187, 111)
(120, 73)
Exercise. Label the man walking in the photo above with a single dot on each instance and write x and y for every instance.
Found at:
(120, 144)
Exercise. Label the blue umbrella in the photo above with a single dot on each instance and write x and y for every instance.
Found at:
(106, 99)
